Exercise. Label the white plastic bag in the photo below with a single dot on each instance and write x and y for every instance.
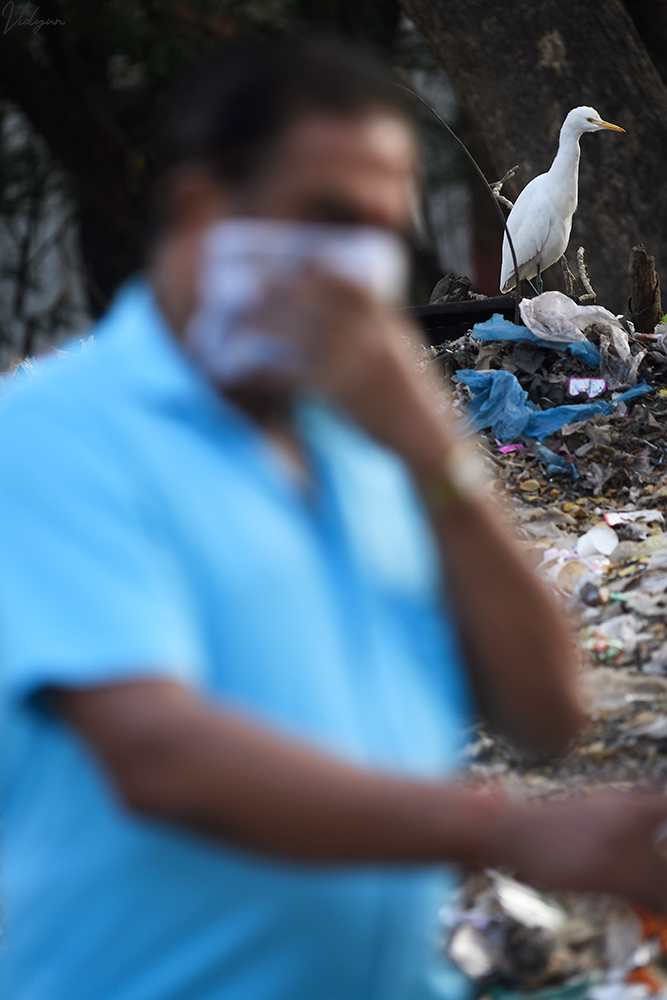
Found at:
(554, 316)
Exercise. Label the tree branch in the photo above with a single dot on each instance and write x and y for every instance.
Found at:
(92, 152)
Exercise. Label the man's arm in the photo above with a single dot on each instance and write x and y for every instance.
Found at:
(173, 757)
(519, 653)
(520, 656)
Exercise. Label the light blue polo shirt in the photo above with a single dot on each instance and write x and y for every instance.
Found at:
(149, 529)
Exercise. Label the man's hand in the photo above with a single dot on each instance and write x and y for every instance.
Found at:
(601, 843)
(361, 356)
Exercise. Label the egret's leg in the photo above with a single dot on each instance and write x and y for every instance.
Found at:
(538, 281)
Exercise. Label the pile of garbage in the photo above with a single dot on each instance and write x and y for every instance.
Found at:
(570, 412)
(613, 583)
(573, 394)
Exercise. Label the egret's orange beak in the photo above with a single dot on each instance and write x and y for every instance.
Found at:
(614, 128)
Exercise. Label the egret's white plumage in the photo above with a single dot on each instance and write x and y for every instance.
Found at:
(541, 219)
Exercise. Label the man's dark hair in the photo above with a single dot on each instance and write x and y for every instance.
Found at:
(230, 113)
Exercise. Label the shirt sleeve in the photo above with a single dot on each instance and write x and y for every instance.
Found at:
(88, 593)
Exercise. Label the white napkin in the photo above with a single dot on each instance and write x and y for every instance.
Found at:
(241, 257)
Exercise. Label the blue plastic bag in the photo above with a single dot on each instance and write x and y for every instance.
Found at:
(500, 403)
(555, 463)
(499, 328)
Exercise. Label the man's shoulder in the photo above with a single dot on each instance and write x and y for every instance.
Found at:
(51, 403)
(89, 377)
(45, 395)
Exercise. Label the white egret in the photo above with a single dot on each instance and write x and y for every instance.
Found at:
(541, 220)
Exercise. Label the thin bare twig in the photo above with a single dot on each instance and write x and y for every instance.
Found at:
(497, 186)
(567, 274)
(489, 188)
(504, 201)
(590, 295)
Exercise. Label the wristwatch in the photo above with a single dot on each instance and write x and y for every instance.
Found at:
(458, 481)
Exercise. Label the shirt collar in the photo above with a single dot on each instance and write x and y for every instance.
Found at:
(155, 365)
(150, 362)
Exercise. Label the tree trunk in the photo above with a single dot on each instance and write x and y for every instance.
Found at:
(644, 307)
(520, 66)
(650, 20)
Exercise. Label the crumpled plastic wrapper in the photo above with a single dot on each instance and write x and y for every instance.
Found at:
(556, 317)
(515, 941)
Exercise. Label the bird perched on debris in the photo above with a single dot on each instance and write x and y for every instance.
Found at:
(541, 219)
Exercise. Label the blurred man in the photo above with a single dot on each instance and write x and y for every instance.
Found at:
(243, 619)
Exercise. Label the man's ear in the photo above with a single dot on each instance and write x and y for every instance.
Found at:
(190, 196)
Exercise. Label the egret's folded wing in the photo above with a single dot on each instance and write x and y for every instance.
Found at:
(529, 223)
